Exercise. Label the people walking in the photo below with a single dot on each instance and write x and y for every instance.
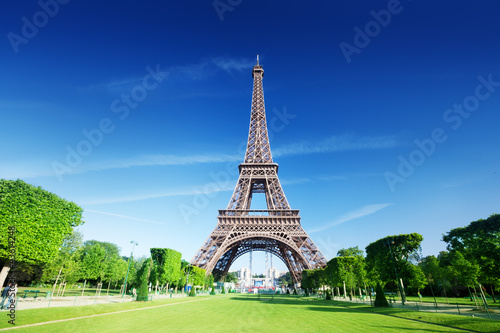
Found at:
(4, 295)
(12, 295)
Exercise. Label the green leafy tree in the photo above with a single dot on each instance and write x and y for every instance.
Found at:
(285, 280)
(417, 278)
(41, 220)
(209, 281)
(167, 266)
(466, 272)
(479, 243)
(350, 252)
(308, 279)
(66, 263)
(357, 266)
(143, 273)
(197, 276)
(93, 261)
(232, 277)
(392, 257)
(183, 275)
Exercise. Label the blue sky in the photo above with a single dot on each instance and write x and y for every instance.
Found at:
(383, 115)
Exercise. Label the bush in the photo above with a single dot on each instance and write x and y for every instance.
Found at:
(294, 291)
(223, 291)
(380, 300)
(192, 293)
(328, 295)
(288, 291)
(142, 293)
(306, 294)
(213, 291)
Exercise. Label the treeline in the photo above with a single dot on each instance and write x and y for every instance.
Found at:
(472, 261)
(41, 246)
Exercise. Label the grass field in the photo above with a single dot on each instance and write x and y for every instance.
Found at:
(242, 313)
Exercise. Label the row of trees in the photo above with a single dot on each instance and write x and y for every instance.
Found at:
(165, 269)
(38, 221)
(46, 248)
(473, 258)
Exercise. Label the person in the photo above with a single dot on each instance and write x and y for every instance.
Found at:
(134, 292)
(12, 294)
(5, 292)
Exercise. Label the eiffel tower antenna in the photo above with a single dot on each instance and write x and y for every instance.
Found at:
(242, 230)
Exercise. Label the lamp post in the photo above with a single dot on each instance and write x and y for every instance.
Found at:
(396, 271)
(134, 243)
(187, 279)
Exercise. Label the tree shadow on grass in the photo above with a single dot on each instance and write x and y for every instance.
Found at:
(294, 301)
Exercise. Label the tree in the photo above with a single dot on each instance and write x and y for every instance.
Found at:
(286, 280)
(308, 279)
(350, 252)
(143, 273)
(357, 266)
(167, 265)
(197, 276)
(93, 261)
(39, 221)
(340, 270)
(479, 243)
(231, 277)
(66, 263)
(417, 278)
(466, 272)
(391, 257)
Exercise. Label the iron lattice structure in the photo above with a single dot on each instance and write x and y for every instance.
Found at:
(240, 229)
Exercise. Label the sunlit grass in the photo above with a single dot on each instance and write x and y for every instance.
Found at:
(244, 313)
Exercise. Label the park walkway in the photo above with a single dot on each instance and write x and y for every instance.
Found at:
(30, 303)
(461, 309)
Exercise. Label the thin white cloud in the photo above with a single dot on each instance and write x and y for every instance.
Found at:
(355, 214)
(203, 190)
(191, 72)
(123, 216)
(231, 64)
(345, 142)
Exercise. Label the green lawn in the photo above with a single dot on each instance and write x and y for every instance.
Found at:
(242, 313)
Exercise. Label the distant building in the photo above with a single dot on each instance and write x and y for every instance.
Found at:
(245, 279)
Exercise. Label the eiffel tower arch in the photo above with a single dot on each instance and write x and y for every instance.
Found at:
(276, 229)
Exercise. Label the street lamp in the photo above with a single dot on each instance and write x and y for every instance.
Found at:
(396, 271)
(187, 278)
(134, 243)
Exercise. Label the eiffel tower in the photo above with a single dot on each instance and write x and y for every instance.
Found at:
(276, 229)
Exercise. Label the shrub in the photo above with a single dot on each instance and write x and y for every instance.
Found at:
(213, 291)
(223, 290)
(142, 293)
(380, 300)
(328, 295)
(192, 293)
(294, 291)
